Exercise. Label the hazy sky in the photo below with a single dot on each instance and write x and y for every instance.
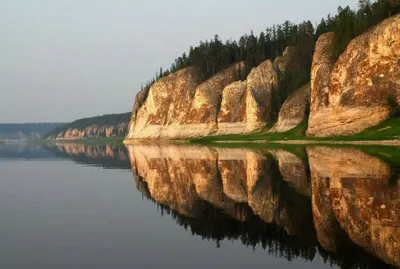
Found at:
(66, 59)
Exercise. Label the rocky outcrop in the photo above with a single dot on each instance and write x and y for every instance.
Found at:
(166, 106)
(179, 106)
(246, 106)
(92, 131)
(293, 111)
(105, 126)
(352, 95)
(290, 60)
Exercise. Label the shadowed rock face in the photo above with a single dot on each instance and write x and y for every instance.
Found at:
(351, 188)
(294, 171)
(293, 110)
(352, 95)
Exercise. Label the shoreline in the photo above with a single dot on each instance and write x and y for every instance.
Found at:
(287, 142)
(313, 142)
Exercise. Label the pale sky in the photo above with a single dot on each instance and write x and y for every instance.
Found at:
(61, 60)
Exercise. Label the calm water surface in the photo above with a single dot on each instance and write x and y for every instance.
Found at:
(152, 206)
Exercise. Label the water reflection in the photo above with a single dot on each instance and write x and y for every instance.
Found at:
(276, 200)
(105, 156)
(333, 203)
(351, 190)
(24, 151)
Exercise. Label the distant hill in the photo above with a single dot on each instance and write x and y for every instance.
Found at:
(25, 131)
(110, 125)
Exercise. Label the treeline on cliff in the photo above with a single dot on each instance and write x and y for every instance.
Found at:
(348, 23)
(40, 127)
(212, 56)
(103, 120)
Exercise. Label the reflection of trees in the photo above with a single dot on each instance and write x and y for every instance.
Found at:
(105, 156)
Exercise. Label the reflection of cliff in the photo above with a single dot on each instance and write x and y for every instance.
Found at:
(236, 193)
(106, 156)
(24, 151)
(362, 202)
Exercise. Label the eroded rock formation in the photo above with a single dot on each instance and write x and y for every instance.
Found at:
(246, 106)
(179, 106)
(352, 95)
(293, 111)
(104, 126)
(92, 131)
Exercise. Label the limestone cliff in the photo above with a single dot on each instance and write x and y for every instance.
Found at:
(246, 105)
(293, 110)
(105, 126)
(181, 106)
(352, 94)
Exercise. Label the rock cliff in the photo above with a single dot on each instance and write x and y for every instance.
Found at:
(293, 110)
(347, 96)
(246, 105)
(180, 106)
(352, 94)
(105, 126)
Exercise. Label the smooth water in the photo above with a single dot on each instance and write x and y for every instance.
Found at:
(170, 206)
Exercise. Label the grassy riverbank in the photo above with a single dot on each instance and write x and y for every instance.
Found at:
(386, 131)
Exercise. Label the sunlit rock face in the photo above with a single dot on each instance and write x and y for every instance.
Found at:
(182, 106)
(352, 94)
(165, 106)
(362, 202)
(184, 177)
(92, 131)
(246, 105)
